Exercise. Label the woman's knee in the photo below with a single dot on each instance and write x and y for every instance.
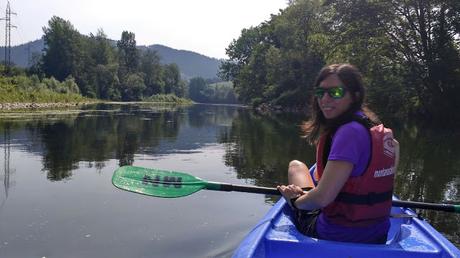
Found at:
(297, 164)
(296, 167)
(298, 174)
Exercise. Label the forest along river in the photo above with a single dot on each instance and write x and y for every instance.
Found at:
(57, 199)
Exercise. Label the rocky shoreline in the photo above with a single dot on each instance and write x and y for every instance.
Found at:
(19, 105)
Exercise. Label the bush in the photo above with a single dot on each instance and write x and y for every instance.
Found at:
(31, 90)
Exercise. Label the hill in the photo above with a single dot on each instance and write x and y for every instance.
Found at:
(22, 55)
(191, 64)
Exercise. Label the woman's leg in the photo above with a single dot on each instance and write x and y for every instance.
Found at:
(298, 174)
(305, 221)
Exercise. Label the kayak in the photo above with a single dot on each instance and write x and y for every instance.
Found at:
(409, 236)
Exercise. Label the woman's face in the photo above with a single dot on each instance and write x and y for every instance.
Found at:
(333, 107)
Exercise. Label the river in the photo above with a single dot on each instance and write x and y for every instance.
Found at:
(57, 199)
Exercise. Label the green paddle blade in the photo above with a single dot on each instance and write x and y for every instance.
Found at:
(155, 182)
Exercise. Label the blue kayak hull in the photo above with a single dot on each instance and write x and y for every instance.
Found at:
(276, 236)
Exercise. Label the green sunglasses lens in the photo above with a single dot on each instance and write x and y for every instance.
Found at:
(335, 93)
(319, 92)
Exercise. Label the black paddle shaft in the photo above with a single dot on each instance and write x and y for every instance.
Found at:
(248, 189)
(251, 189)
(423, 205)
(396, 203)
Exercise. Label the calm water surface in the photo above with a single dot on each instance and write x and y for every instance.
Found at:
(57, 200)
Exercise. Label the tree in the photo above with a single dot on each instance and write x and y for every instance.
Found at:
(171, 78)
(196, 87)
(246, 64)
(276, 61)
(153, 73)
(128, 55)
(106, 81)
(408, 51)
(133, 87)
(101, 51)
(63, 49)
(294, 58)
(414, 47)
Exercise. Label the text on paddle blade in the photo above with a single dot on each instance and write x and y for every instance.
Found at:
(165, 181)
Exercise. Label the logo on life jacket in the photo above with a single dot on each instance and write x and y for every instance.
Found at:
(388, 145)
(384, 172)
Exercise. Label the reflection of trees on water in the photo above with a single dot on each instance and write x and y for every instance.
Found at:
(106, 132)
(429, 171)
(101, 137)
(94, 137)
(214, 115)
(429, 164)
(260, 148)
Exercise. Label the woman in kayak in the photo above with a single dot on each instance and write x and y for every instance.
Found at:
(355, 164)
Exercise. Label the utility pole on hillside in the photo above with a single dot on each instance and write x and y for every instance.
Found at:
(8, 27)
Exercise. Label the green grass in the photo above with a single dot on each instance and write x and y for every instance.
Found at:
(9, 94)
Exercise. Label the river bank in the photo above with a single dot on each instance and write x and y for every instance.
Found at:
(57, 105)
(20, 105)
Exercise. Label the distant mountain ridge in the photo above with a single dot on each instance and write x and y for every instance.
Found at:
(22, 55)
(191, 64)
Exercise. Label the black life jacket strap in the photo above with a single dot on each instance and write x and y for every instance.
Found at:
(367, 199)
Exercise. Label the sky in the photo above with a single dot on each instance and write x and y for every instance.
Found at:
(203, 26)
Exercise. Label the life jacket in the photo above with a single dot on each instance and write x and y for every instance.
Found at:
(365, 199)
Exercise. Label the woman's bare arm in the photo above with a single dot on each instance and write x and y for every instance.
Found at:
(336, 174)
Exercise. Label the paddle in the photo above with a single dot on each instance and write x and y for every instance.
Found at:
(171, 184)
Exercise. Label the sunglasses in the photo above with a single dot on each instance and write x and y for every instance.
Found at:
(336, 92)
